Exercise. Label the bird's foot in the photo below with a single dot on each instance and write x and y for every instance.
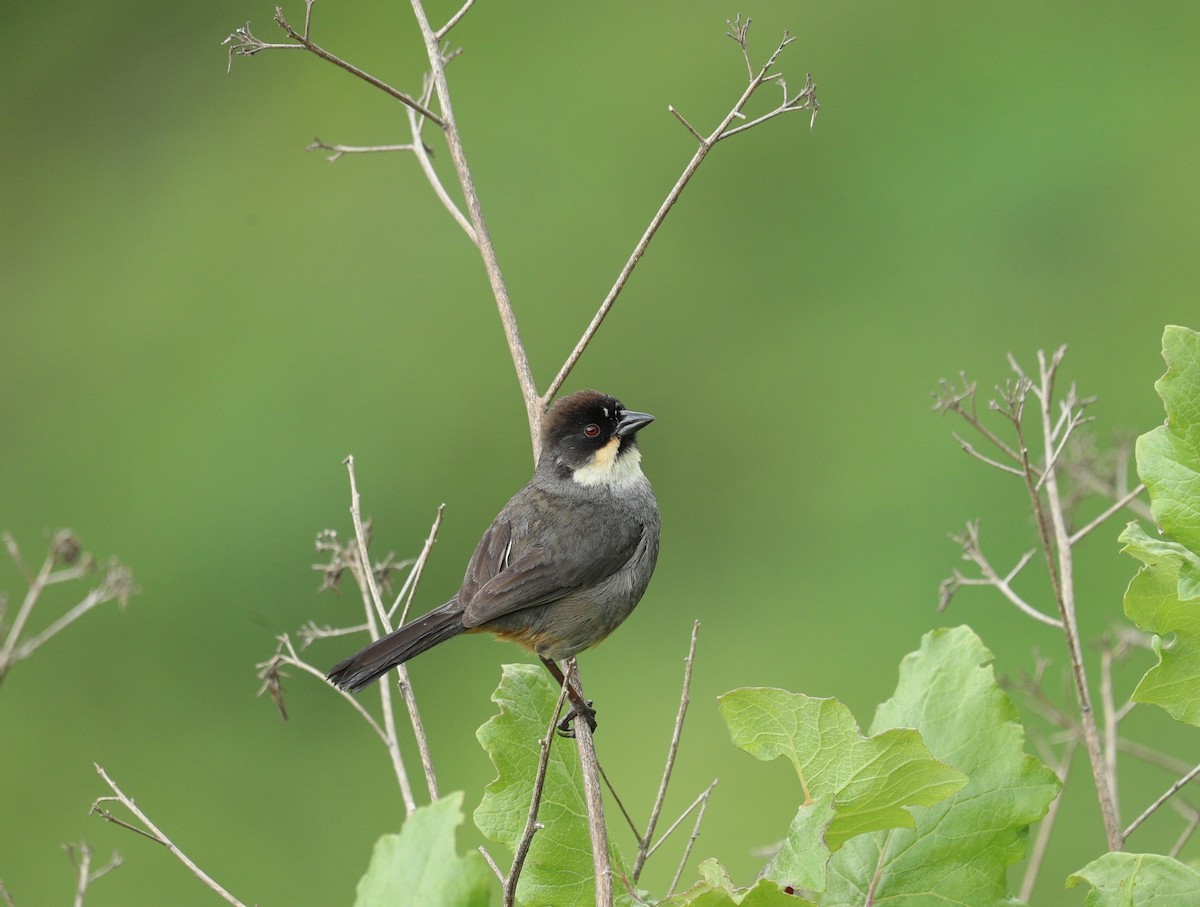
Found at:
(566, 727)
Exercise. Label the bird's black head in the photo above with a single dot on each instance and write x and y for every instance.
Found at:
(592, 438)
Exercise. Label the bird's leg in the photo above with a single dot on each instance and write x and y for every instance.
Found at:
(579, 706)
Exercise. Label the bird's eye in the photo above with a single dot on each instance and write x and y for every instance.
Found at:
(592, 430)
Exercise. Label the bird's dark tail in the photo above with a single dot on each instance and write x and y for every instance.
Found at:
(398, 647)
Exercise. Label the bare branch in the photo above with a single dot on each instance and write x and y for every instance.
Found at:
(81, 860)
(339, 150)
(532, 825)
(534, 406)
(969, 540)
(1109, 711)
(950, 400)
(1186, 834)
(1153, 807)
(1118, 505)
(151, 831)
(244, 44)
(590, 770)
(968, 448)
(738, 29)
(454, 20)
(702, 802)
(1056, 546)
(65, 561)
(672, 750)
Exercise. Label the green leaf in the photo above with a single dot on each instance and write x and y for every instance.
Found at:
(558, 869)
(851, 784)
(717, 890)
(1142, 879)
(960, 850)
(1164, 596)
(1169, 456)
(1152, 602)
(419, 866)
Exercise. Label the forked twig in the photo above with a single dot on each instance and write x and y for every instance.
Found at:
(80, 856)
(243, 43)
(65, 562)
(700, 803)
(805, 100)
(152, 831)
(645, 839)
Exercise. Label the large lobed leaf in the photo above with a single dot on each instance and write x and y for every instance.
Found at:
(419, 867)
(558, 870)
(851, 784)
(960, 849)
(1152, 602)
(1142, 879)
(1164, 597)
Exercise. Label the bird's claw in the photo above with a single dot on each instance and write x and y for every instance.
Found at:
(566, 727)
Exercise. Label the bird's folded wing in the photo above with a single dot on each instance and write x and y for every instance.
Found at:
(539, 576)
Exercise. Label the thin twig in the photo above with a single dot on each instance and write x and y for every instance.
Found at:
(339, 150)
(375, 610)
(483, 240)
(409, 590)
(487, 858)
(1186, 834)
(1153, 807)
(996, 464)
(152, 831)
(532, 825)
(454, 20)
(243, 43)
(1122, 502)
(405, 685)
(1111, 721)
(1056, 546)
(672, 751)
(972, 551)
(81, 859)
(705, 146)
(702, 800)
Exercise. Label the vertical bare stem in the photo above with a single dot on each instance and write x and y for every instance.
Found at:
(1057, 544)
(377, 612)
(533, 404)
(592, 795)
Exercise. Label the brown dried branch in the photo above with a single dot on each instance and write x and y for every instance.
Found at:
(65, 561)
(969, 540)
(243, 43)
(80, 856)
(672, 750)
(150, 830)
(805, 100)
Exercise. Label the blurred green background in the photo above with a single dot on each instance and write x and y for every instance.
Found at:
(200, 321)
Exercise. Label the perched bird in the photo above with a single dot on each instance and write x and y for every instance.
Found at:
(565, 561)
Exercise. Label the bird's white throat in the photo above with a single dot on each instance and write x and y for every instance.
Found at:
(607, 468)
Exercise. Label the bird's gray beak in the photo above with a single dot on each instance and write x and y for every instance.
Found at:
(631, 422)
